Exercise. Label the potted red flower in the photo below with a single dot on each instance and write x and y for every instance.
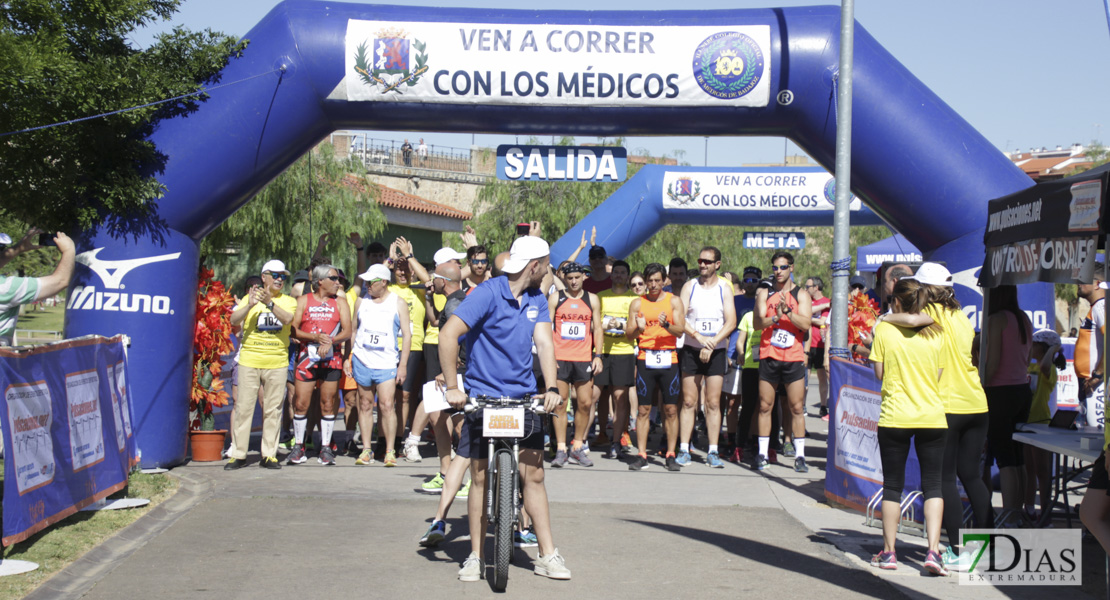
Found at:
(211, 340)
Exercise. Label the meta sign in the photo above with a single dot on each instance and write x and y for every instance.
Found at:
(775, 240)
(561, 163)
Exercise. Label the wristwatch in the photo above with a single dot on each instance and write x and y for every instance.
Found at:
(553, 390)
(788, 310)
(408, 256)
(270, 306)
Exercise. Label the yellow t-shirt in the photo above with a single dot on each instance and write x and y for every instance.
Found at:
(911, 391)
(1042, 392)
(431, 336)
(616, 306)
(751, 344)
(264, 349)
(415, 300)
(960, 388)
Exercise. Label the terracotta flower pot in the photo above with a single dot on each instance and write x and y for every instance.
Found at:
(207, 446)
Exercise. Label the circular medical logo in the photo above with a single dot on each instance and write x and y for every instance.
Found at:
(830, 191)
(728, 65)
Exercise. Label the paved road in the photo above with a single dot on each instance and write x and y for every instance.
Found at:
(349, 531)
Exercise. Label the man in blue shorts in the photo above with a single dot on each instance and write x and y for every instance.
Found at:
(501, 319)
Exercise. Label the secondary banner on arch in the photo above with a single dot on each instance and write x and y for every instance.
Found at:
(558, 65)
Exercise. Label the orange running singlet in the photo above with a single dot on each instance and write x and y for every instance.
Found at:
(782, 341)
(574, 335)
(654, 336)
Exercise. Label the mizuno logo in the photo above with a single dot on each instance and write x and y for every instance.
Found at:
(112, 272)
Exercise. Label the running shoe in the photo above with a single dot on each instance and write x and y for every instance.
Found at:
(788, 450)
(366, 457)
(525, 539)
(551, 566)
(773, 456)
(626, 440)
(934, 564)
(800, 465)
(737, 455)
(672, 464)
(471, 568)
(270, 462)
(391, 458)
(326, 456)
(433, 485)
(961, 561)
(434, 535)
(823, 413)
(614, 452)
(287, 443)
(297, 456)
(579, 457)
(885, 560)
(464, 492)
(683, 458)
(714, 460)
(235, 463)
(559, 460)
(639, 463)
(412, 453)
(760, 463)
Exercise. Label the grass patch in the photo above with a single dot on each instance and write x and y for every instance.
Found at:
(64, 542)
(52, 319)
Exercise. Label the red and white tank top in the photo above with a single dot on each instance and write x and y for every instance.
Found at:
(573, 325)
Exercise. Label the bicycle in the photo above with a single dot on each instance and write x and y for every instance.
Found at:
(503, 425)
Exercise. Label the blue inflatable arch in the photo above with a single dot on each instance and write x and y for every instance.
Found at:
(916, 163)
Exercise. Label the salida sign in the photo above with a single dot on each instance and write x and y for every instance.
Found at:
(561, 163)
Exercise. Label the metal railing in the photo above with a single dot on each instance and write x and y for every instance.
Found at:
(381, 152)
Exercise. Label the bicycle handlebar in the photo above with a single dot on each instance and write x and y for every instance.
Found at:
(532, 403)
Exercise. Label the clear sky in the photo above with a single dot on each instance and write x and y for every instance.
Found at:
(1025, 73)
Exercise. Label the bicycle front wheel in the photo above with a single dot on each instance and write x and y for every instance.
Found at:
(503, 534)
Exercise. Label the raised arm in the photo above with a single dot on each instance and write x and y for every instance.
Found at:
(418, 269)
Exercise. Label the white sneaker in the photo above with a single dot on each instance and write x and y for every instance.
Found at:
(552, 566)
(471, 568)
(412, 452)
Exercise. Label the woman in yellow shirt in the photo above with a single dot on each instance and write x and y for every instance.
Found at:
(909, 363)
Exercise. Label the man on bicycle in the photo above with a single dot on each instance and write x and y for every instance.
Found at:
(500, 320)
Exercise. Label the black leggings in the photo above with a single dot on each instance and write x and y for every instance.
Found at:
(1007, 406)
(966, 434)
(749, 408)
(894, 448)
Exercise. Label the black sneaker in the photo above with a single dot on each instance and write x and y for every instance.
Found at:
(824, 412)
(672, 464)
(760, 463)
(269, 462)
(800, 465)
(235, 463)
(638, 463)
(297, 456)
(614, 451)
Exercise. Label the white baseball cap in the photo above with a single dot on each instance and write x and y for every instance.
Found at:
(274, 266)
(378, 271)
(525, 249)
(931, 273)
(1047, 337)
(5, 239)
(448, 254)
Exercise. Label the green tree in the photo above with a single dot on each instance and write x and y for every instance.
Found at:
(62, 60)
(318, 194)
(35, 263)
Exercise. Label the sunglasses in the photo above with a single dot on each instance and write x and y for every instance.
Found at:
(475, 261)
(438, 276)
(638, 283)
(857, 287)
(278, 276)
(780, 268)
(702, 261)
(334, 278)
(751, 281)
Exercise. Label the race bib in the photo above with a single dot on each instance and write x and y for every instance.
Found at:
(781, 338)
(708, 326)
(657, 359)
(268, 322)
(572, 330)
(375, 340)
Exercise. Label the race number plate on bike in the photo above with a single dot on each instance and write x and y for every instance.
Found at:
(268, 322)
(503, 422)
(572, 331)
(781, 338)
(657, 359)
(709, 326)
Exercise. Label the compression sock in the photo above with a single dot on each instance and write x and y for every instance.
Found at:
(799, 446)
(299, 423)
(327, 426)
(764, 442)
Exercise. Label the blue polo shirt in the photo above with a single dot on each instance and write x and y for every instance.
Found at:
(499, 343)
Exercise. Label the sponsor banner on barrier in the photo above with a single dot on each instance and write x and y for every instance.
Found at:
(1063, 260)
(757, 190)
(561, 163)
(62, 450)
(853, 445)
(558, 65)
